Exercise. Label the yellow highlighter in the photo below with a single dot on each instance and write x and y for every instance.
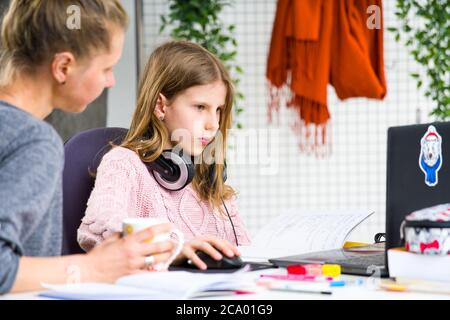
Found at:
(331, 270)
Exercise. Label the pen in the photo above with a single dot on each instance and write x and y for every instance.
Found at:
(300, 290)
(342, 283)
(298, 277)
(399, 287)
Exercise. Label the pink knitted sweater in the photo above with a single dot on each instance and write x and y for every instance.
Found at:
(125, 188)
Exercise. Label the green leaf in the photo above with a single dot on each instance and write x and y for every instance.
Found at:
(419, 84)
(427, 38)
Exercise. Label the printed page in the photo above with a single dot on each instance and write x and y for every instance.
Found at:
(154, 285)
(183, 284)
(295, 232)
(99, 291)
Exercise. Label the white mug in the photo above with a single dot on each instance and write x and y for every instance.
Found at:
(133, 225)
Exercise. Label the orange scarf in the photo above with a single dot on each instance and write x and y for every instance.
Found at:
(316, 42)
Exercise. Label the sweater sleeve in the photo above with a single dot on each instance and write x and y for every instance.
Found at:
(110, 201)
(29, 176)
(242, 233)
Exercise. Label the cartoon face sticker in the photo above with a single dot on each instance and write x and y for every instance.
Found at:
(430, 159)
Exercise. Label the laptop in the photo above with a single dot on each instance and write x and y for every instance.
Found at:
(418, 176)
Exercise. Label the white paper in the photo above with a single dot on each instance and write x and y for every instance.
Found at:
(295, 232)
(154, 285)
(183, 284)
(99, 291)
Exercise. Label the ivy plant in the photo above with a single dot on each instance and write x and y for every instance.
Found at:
(425, 30)
(198, 21)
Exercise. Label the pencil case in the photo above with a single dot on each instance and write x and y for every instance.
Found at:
(427, 231)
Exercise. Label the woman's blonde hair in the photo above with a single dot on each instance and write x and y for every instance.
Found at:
(171, 69)
(34, 30)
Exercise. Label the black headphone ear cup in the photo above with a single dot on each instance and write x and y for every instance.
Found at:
(183, 171)
(212, 173)
(224, 172)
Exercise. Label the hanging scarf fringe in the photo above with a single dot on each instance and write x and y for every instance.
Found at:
(311, 124)
(319, 42)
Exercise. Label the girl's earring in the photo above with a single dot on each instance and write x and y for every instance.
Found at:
(161, 118)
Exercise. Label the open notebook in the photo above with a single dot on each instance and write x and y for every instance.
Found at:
(157, 285)
(294, 232)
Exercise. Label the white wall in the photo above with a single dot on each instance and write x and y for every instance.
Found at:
(122, 97)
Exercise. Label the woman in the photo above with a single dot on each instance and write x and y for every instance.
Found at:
(44, 65)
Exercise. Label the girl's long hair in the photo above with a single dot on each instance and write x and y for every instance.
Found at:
(171, 69)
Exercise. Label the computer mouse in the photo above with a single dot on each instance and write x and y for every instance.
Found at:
(224, 263)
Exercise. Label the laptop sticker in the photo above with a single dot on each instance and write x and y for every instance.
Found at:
(430, 159)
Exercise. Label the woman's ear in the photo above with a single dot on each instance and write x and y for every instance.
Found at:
(61, 66)
(160, 108)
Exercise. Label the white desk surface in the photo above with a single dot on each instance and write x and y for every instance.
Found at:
(368, 291)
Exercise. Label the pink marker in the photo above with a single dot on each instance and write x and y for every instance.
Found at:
(296, 277)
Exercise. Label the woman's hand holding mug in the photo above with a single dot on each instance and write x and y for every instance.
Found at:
(145, 244)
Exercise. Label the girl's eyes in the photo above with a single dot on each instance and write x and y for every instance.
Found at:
(202, 107)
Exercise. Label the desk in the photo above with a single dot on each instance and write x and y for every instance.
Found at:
(363, 292)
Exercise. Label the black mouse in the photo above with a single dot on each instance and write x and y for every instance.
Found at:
(224, 263)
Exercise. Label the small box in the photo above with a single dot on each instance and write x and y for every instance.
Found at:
(427, 231)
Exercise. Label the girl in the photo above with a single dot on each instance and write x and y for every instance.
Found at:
(185, 102)
(44, 64)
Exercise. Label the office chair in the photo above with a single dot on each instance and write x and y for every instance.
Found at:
(83, 153)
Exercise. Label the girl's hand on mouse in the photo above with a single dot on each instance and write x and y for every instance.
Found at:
(211, 245)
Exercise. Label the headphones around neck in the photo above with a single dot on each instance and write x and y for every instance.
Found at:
(174, 171)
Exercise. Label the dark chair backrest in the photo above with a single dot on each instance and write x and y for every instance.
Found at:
(83, 153)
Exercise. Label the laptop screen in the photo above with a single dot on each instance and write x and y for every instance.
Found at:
(418, 172)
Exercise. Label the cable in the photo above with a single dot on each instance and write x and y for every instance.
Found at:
(231, 221)
(378, 237)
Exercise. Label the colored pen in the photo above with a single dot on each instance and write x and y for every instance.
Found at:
(419, 287)
(296, 277)
(288, 288)
(342, 283)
